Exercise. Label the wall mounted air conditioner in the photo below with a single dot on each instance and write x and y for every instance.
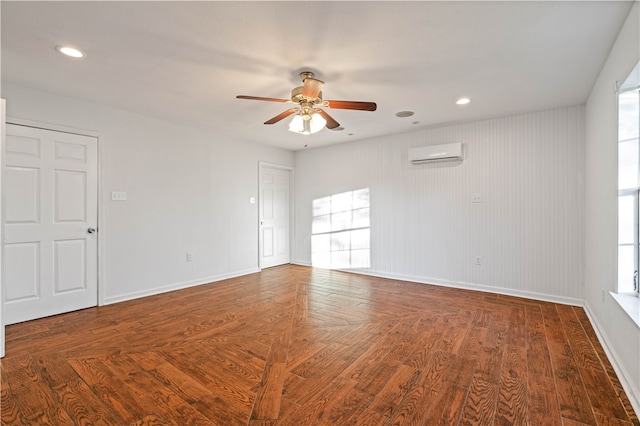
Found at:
(425, 154)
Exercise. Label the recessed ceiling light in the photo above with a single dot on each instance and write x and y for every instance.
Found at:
(70, 51)
(404, 114)
(463, 101)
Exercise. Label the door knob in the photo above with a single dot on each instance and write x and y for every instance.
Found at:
(91, 230)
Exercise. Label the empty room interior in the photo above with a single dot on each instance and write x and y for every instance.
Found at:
(320, 213)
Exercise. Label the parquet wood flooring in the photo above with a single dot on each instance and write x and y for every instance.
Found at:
(299, 346)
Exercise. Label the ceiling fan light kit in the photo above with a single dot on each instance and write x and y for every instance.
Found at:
(307, 124)
(308, 118)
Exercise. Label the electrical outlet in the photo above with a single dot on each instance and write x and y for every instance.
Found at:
(477, 198)
(478, 260)
(189, 256)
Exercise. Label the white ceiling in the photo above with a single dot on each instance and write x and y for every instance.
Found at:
(186, 61)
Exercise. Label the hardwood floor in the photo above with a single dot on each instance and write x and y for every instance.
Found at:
(298, 346)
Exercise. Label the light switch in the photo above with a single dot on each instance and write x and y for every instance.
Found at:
(118, 196)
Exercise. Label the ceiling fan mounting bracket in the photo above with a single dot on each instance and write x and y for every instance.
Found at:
(305, 75)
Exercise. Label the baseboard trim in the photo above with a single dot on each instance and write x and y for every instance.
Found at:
(468, 286)
(177, 286)
(632, 392)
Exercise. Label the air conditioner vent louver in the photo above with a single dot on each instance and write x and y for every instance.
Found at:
(425, 154)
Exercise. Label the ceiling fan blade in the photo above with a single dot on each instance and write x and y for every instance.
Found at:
(258, 98)
(331, 123)
(281, 116)
(360, 106)
(311, 88)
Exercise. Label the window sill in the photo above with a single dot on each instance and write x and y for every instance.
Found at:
(630, 304)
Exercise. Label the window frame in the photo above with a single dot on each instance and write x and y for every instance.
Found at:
(633, 191)
(333, 233)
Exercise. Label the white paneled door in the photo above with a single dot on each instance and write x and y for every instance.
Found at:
(274, 216)
(51, 213)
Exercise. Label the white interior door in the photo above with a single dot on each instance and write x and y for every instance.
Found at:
(274, 216)
(51, 213)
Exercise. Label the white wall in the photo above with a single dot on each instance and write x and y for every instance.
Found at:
(2, 143)
(187, 190)
(424, 227)
(619, 333)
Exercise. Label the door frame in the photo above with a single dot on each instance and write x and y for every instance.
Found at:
(101, 228)
(264, 164)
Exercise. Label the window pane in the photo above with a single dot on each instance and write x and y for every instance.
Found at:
(321, 206)
(321, 260)
(341, 221)
(340, 259)
(360, 259)
(341, 241)
(360, 239)
(361, 218)
(321, 224)
(626, 269)
(321, 243)
(361, 198)
(626, 219)
(341, 202)
(628, 164)
(628, 113)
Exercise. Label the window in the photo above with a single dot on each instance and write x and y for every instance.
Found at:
(629, 184)
(340, 231)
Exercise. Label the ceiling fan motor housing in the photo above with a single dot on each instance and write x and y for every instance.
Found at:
(298, 97)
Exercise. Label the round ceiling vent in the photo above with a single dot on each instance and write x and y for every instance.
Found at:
(403, 114)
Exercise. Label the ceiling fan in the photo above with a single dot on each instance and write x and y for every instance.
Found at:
(308, 117)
